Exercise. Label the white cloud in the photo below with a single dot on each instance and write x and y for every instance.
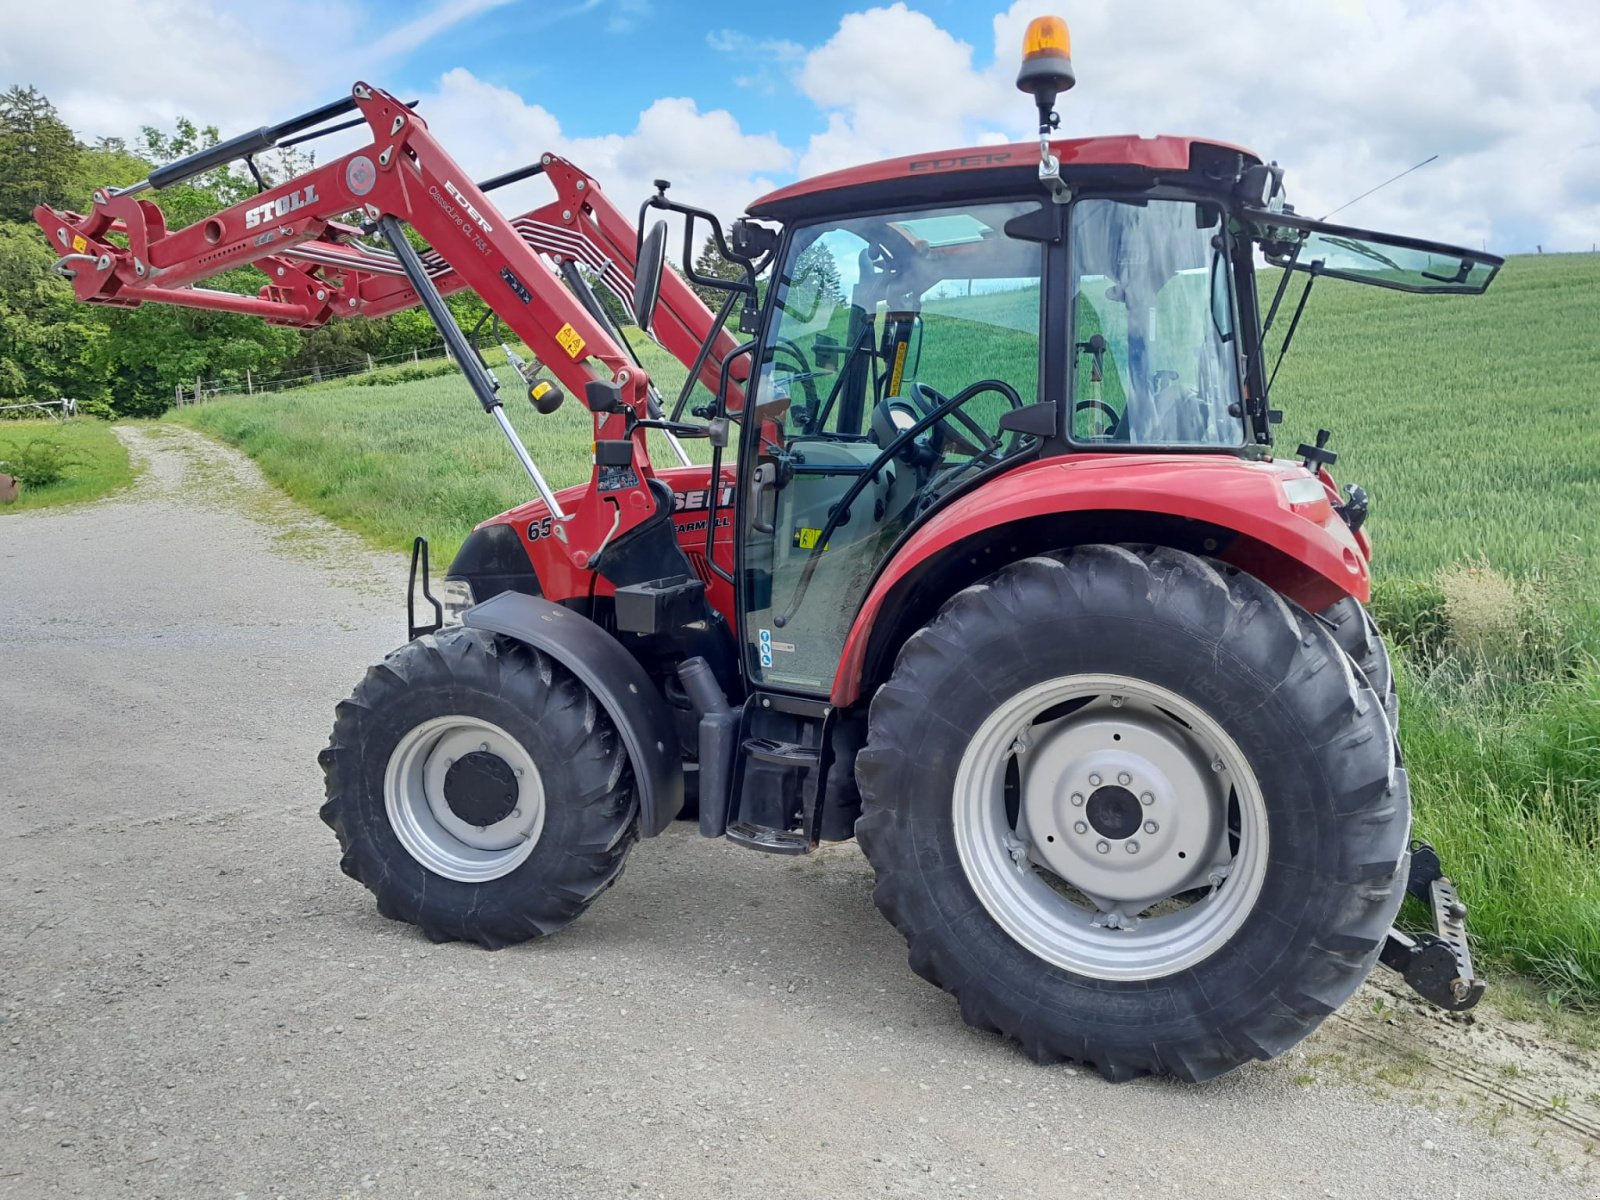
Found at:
(444, 15)
(148, 63)
(710, 160)
(1344, 94)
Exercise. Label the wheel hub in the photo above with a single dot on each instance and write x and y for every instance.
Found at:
(464, 798)
(1058, 878)
(1121, 804)
(481, 788)
(1114, 812)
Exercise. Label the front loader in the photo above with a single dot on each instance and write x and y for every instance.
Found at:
(990, 563)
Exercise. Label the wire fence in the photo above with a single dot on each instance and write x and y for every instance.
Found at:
(203, 389)
(59, 409)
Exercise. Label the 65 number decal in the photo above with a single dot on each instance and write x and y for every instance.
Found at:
(539, 529)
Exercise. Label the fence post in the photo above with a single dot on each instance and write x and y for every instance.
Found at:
(414, 358)
(197, 389)
(249, 383)
(178, 399)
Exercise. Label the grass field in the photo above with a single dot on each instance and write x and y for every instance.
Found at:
(1474, 424)
(419, 456)
(95, 462)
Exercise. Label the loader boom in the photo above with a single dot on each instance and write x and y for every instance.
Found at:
(318, 268)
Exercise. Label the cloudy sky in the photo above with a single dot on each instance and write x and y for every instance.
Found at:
(730, 100)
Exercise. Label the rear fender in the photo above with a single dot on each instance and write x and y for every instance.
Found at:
(620, 685)
(1217, 505)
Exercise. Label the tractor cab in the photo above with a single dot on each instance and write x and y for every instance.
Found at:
(934, 322)
(922, 339)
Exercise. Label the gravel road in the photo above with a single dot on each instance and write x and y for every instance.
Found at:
(195, 1002)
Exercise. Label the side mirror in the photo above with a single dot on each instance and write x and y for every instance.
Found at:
(647, 275)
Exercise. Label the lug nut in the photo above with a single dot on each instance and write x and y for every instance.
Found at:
(484, 746)
(1077, 798)
(1147, 798)
(1102, 847)
(1124, 779)
(1094, 781)
(1080, 827)
(1151, 827)
(1133, 847)
(1116, 702)
(1217, 766)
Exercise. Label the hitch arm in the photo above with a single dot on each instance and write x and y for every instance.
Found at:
(1438, 966)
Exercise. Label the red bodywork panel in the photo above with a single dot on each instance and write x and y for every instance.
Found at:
(1164, 153)
(560, 580)
(1304, 551)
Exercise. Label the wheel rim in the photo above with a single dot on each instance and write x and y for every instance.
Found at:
(464, 798)
(1110, 826)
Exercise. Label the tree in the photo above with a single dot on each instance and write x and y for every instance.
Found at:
(712, 265)
(816, 269)
(38, 154)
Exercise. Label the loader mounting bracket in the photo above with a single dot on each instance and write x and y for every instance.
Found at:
(1438, 965)
(419, 569)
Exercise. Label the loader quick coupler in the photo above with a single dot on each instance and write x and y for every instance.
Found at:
(1438, 966)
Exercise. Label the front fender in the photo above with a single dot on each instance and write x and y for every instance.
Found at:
(619, 684)
(1303, 550)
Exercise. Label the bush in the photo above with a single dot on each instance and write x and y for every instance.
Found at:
(40, 461)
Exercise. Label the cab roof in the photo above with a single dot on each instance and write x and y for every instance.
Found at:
(978, 170)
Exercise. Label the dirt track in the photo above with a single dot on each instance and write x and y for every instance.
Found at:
(195, 1002)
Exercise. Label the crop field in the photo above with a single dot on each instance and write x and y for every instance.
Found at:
(1474, 423)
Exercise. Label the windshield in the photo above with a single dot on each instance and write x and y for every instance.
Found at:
(1380, 259)
(1155, 356)
(898, 343)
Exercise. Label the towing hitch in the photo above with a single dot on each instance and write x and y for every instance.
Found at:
(1437, 965)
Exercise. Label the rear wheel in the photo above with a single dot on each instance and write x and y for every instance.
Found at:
(1134, 809)
(478, 790)
(1357, 635)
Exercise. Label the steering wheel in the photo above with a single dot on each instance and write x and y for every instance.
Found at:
(928, 399)
(1113, 419)
(805, 376)
(892, 418)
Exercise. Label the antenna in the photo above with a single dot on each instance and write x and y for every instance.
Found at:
(1380, 187)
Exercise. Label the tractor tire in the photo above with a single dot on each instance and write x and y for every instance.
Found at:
(478, 790)
(1146, 711)
(1357, 635)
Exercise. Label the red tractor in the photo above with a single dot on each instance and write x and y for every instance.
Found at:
(992, 567)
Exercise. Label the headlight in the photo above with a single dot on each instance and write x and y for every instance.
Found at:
(1304, 490)
(456, 597)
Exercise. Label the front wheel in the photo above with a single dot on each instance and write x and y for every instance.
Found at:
(478, 790)
(1134, 809)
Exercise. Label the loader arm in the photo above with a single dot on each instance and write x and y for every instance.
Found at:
(318, 267)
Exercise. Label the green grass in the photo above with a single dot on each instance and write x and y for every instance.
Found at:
(102, 464)
(417, 457)
(1471, 421)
